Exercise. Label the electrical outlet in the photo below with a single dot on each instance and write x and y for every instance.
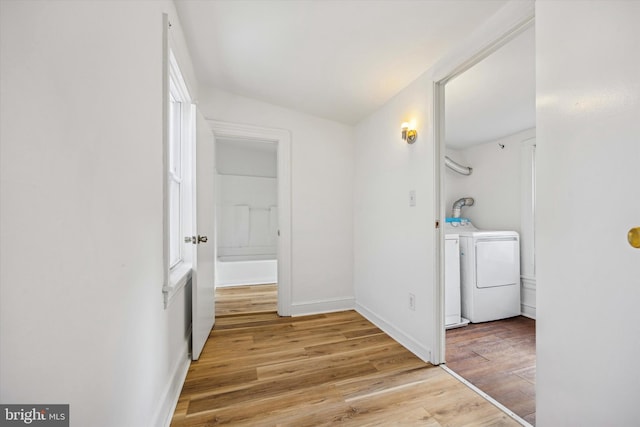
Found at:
(412, 302)
(412, 198)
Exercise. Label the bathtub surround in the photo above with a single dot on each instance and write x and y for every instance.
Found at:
(248, 217)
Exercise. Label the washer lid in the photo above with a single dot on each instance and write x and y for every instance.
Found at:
(458, 225)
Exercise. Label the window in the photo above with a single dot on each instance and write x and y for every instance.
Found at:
(175, 180)
(178, 183)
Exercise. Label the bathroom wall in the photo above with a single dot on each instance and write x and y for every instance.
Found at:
(247, 200)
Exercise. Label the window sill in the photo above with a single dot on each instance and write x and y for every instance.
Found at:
(178, 278)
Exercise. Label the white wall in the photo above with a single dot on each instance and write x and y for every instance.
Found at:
(394, 243)
(242, 158)
(494, 183)
(588, 152)
(82, 319)
(322, 197)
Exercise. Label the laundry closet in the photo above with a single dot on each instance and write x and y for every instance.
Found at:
(489, 186)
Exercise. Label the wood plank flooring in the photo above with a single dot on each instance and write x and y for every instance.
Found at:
(338, 368)
(500, 359)
(246, 299)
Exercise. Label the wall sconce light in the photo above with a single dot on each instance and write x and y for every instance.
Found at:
(409, 135)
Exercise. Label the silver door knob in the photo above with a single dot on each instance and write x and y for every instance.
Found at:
(202, 239)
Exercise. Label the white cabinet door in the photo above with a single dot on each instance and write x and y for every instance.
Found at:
(203, 291)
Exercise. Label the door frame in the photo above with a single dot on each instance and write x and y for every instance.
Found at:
(282, 138)
(438, 108)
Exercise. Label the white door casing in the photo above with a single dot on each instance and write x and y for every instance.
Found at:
(203, 282)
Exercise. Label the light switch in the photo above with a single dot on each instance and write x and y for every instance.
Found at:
(412, 198)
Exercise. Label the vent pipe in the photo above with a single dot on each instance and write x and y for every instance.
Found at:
(458, 204)
(457, 167)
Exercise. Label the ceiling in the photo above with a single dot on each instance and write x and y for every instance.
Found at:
(340, 59)
(494, 98)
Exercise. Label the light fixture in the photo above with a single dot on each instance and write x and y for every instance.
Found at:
(409, 134)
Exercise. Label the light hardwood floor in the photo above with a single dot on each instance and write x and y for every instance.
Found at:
(264, 370)
(246, 299)
(500, 359)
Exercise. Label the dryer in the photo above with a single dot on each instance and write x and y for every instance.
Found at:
(489, 274)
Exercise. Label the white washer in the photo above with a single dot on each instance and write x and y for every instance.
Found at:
(490, 274)
(452, 303)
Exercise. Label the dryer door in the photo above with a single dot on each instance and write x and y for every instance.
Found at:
(497, 262)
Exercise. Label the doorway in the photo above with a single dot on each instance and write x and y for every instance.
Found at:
(485, 128)
(247, 224)
(253, 208)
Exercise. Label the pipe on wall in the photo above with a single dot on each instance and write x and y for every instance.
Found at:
(458, 204)
(457, 167)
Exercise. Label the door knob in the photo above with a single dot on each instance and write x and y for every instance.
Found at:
(634, 237)
(202, 239)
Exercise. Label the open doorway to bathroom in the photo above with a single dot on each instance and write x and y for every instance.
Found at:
(487, 141)
(251, 153)
(247, 226)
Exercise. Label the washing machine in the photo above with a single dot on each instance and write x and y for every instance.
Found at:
(452, 302)
(489, 273)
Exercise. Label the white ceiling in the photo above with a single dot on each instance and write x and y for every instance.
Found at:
(495, 98)
(339, 59)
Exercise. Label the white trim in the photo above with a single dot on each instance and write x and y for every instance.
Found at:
(488, 398)
(528, 297)
(166, 284)
(322, 306)
(171, 393)
(439, 344)
(283, 138)
(405, 340)
(176, 276)
(178, 279)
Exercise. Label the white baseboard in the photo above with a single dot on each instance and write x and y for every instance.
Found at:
(528, 297)
(528, 311)
(171, 393)
(322, 306)
(259, 281)
(405, 340)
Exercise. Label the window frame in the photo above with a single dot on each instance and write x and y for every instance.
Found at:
(177, 269)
